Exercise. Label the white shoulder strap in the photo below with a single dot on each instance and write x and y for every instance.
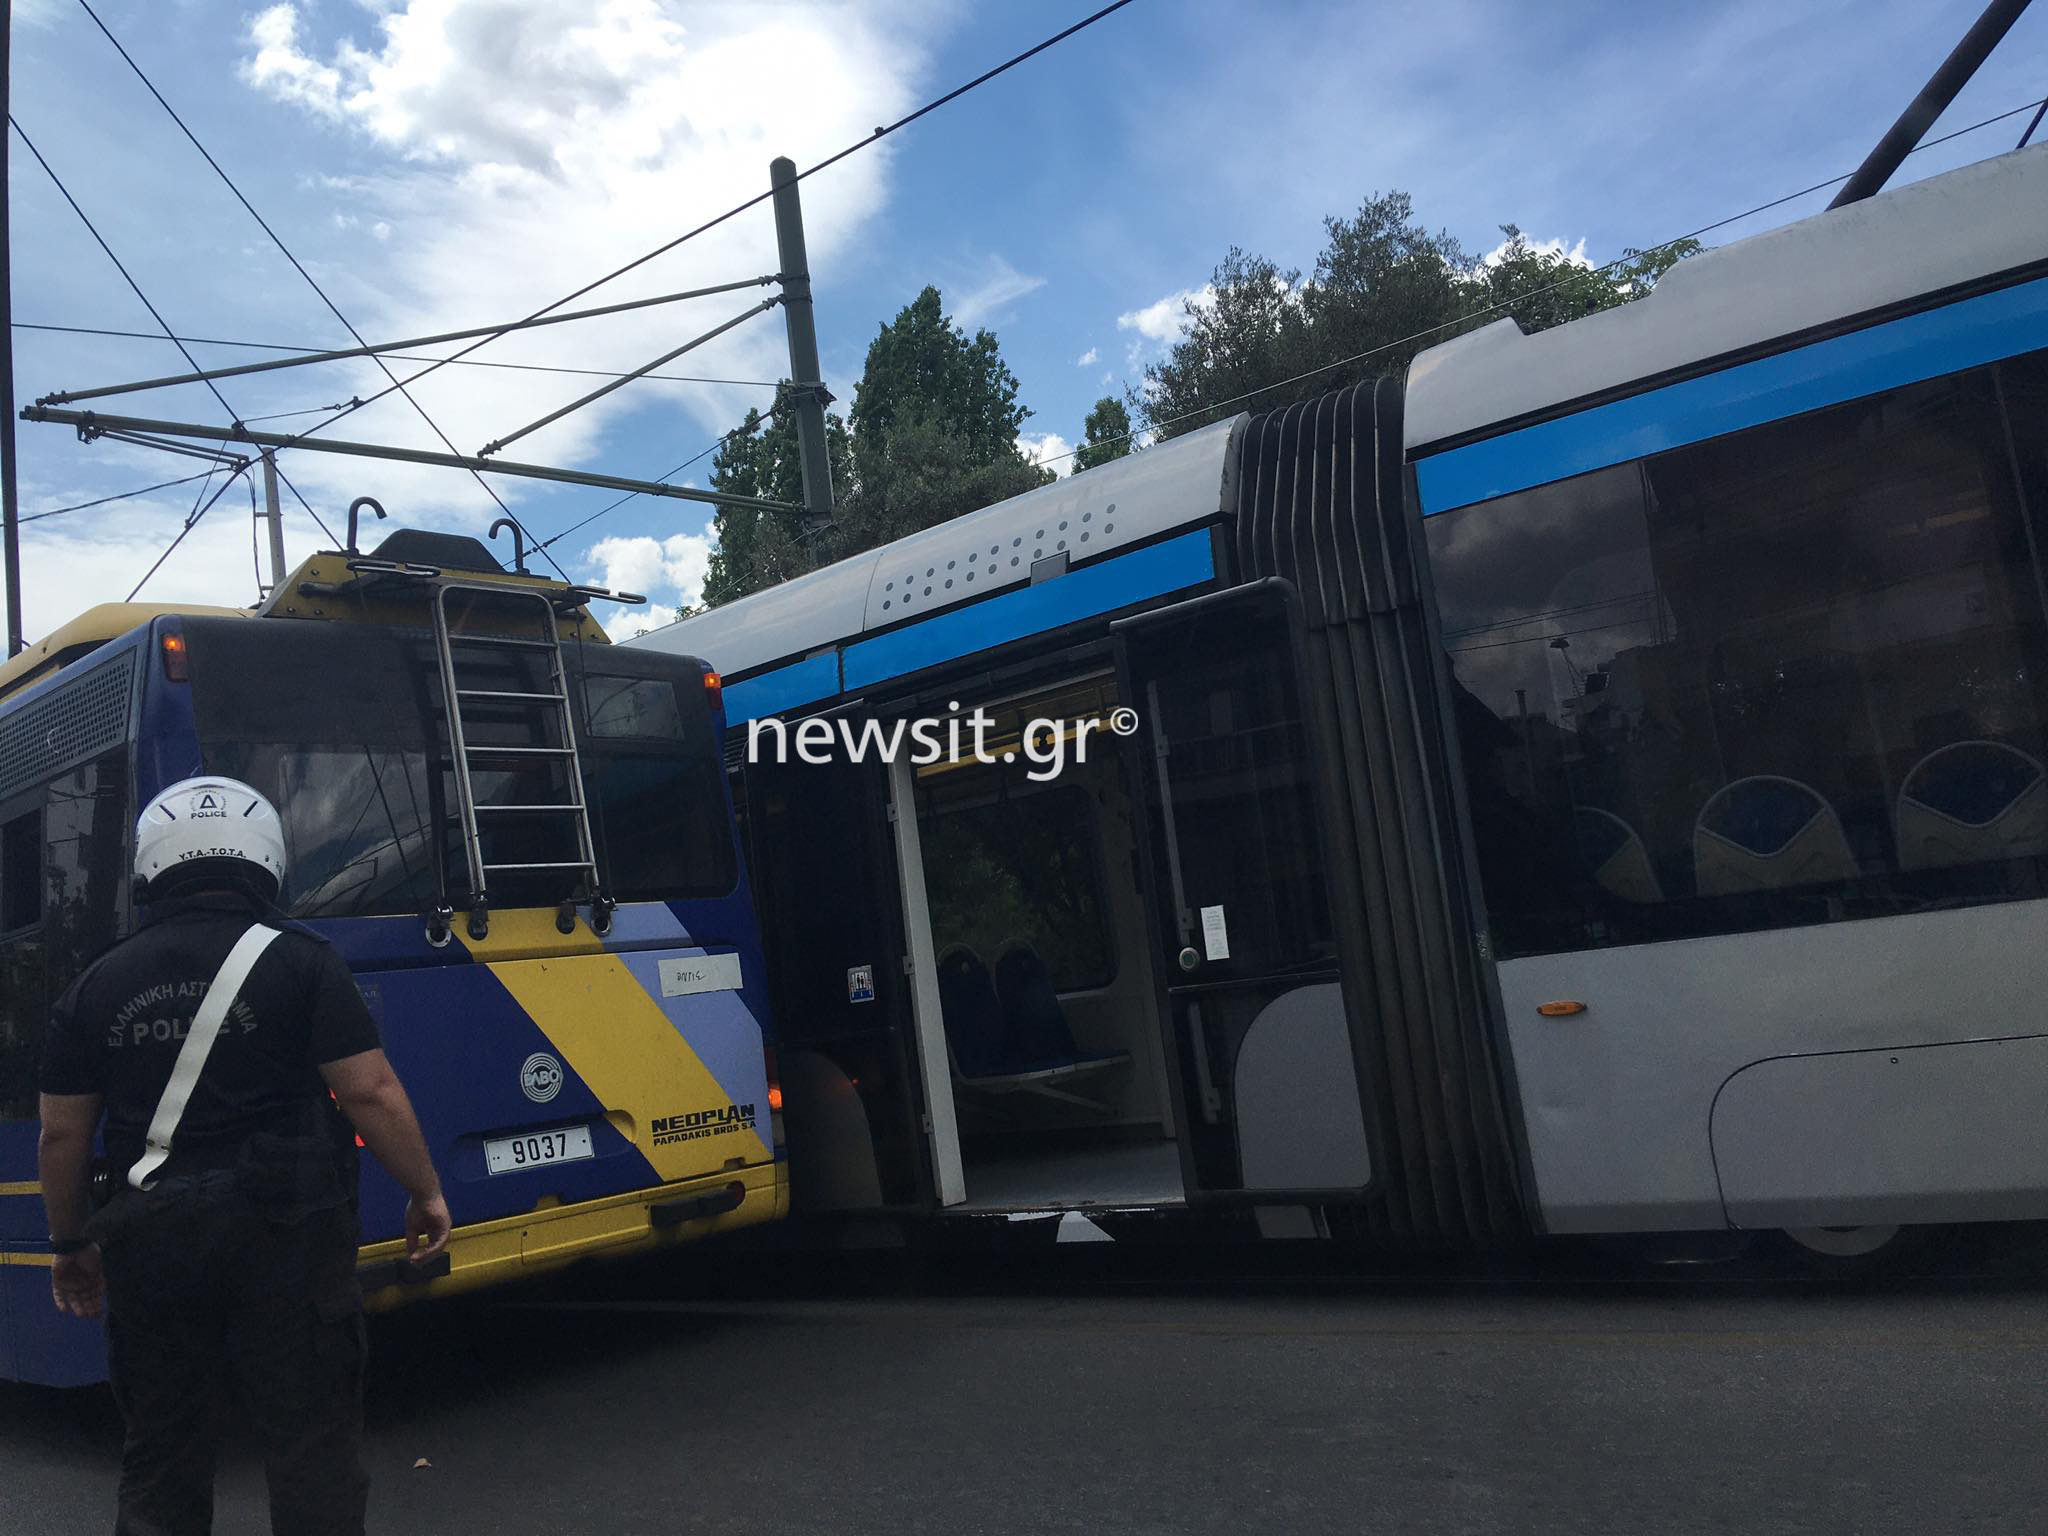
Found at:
(220, 997)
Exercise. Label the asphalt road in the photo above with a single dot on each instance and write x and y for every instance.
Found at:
(1548, 1407)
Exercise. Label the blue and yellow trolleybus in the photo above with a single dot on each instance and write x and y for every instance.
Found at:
(1598, 784)
(517, 834)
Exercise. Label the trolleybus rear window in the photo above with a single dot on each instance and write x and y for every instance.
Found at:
(341, 725)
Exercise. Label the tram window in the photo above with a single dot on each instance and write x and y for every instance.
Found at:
(1020, 867)
(1795, 674)
(21, 871)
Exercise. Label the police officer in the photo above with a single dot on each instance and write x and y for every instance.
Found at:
(225, 1261)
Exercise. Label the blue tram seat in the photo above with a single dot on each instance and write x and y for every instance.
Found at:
(975, 1036)
(1007, 1034)
(1972, 802)
(1768, 833)
(1613, 854)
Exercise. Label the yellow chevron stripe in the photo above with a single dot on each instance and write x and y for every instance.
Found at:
(30, 1260)
(25, 1187)
(616, 1038)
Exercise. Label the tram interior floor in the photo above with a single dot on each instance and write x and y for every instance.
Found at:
(1130, 1173)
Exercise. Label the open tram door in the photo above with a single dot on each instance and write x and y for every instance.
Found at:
(1265, 1072)
(822, 845)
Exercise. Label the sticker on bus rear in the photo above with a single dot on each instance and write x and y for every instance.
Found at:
(700, 973)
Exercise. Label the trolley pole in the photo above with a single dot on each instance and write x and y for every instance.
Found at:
(807, 387)
(10, 501)
(1940, 89)
(274, 520)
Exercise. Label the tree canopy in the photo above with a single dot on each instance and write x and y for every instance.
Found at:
(1105, 435)
(932, 434)
(1384, 288)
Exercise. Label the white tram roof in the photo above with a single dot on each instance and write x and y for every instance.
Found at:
(1956, 228)
(1171, 485)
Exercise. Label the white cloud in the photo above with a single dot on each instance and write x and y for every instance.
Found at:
(1089, 358)
(1003, 286)
(529, 146)
(1161, 320)
(1048, 450)
(668, 572)
(1574, 253)
(279, 67)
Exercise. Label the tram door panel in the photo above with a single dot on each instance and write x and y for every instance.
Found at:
(1264, 1068)
(824, 875)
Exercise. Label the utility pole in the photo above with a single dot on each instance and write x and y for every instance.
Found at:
(807, 387)
(10, 501)
(274, 518)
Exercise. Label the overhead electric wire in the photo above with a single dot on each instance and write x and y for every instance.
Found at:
(882, 131)
(83, 506)
(742, 430)
(154, 314)
(2031, 126)
(406, 357)
(190, 523)
(91, 229)
(1575, 274)
(313, 283)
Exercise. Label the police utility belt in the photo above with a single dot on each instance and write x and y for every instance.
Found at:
(287, 1175)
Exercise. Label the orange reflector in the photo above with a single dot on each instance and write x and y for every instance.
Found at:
(174, 657)
(1560, 1010)
(775, 1097)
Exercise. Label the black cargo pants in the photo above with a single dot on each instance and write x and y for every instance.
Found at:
(215, 1297)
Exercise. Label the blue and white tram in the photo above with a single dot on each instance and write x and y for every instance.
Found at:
(1595, 787)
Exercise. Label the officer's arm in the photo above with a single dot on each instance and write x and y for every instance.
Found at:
(374, 1100)
(64, 1159)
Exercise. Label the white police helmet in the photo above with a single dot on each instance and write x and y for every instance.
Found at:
(210, 826)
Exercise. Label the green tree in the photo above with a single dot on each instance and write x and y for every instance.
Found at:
(932, 435)
(1384, 288)
(1105, 435)
(1539, 289)
(923, 366)
(757, 547)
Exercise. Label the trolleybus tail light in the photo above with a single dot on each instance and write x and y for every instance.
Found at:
(176, 668)
(774, 1096)
(1562, 1009)
(714, 689)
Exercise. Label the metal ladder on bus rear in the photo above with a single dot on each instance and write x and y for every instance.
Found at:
(555, 704)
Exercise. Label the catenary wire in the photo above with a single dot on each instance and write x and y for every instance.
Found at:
(404, 357)
(1577, 274)
(190, 523)
(881, 131)
(311, 281)
(741, 430)
(171, 335)
(205, 474)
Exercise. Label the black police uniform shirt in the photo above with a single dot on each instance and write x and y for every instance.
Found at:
(118, 1028)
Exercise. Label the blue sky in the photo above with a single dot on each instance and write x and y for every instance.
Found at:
(441, 163)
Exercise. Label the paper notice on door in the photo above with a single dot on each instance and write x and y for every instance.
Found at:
(1215, 936)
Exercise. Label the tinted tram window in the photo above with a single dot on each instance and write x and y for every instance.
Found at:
(1796, 674)
(1022, 867)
